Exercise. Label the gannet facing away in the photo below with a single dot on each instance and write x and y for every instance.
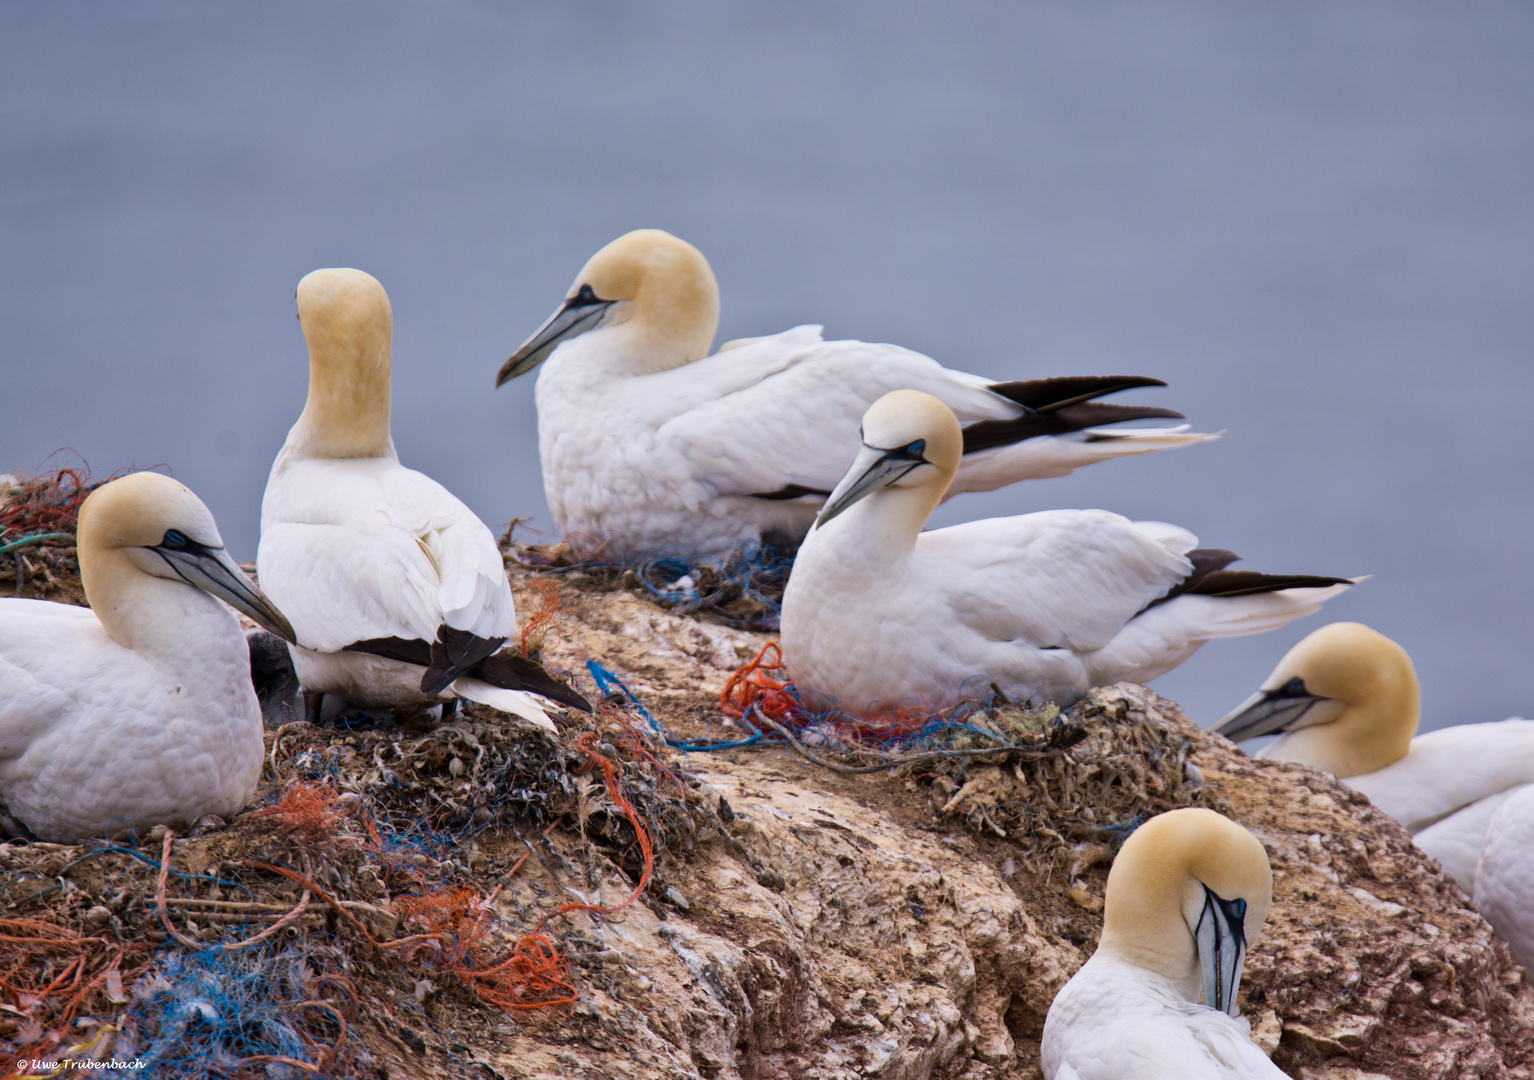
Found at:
(396, 589)
(138, 710)
(645, 437)
(1187, 896)
(1347, 700)
(877, 611)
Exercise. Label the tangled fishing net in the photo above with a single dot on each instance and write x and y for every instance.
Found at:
(1090, 772)
(377, 883)
(743, 589)
(38, 515)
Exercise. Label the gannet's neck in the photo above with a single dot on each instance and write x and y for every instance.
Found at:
(348, 325)
(887, 523)
(166, 621)
(1145, 926)
(638, 346)
(347, 413)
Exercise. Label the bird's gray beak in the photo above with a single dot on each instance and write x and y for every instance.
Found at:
(575, 316)
(872, 469)
(1221, 938)
(215, 573)
(1270, 711)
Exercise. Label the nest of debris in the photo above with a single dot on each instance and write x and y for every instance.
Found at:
(1088, 773)
(38, 516)
(351, 908)
(743, 589)
(1127, 764)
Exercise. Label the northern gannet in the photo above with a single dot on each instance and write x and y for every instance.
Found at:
(396, 589)
(1347, 700)
(138, 710)
(877, 611)
(1187, 896)
(650, 441)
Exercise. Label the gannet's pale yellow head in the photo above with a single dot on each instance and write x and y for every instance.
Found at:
(1348, 695)
(146, 523)
(660, 288)
(1187, 895)
(348, 325)
(911, 442)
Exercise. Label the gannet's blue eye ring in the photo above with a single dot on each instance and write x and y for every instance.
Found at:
(916, 448)
(1237, 907)
(173, 540)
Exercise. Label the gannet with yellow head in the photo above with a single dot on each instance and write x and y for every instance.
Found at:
(1346, 699)
(1187, 896)
(397, 591)
(647, 439)
(138, 710)
(877, 611)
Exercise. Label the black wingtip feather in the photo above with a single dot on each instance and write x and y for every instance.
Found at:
(512, 672)
(1248, 582)
(1210, 578)
(1088, 414)
(1047, 395)
(458, 652)
(455, 653)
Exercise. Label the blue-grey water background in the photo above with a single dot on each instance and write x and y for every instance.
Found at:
(1314, 220)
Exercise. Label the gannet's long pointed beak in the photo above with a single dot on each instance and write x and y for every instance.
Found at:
(1269, 711)
(575, 316)
(872, 469)
(1221, 938)
(215, 573)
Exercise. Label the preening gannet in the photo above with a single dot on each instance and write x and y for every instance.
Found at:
(396, 589)
(646, 438)
(138, 710)
(877, 611)
(1347, 700)
(1187, 896)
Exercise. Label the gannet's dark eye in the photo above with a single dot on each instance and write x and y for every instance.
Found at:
(1295, 687)
(916, 448)
(1237, 907)
(585, 298)
(173, 540)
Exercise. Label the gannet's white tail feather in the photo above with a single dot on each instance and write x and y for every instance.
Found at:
(517, 702)
(1160, 638)
(1060, 455)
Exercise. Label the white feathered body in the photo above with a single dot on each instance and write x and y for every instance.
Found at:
(93, 734)
(1504, 876)
(674, 457)
(1466, 794)
(354, 549)
(1042, 604)
(1117, 1021)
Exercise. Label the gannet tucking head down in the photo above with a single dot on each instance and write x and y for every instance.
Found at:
(397, 590)
(877, 611)
(1187, 896)
(646, 440)
(1346, 699)
(1346, 696)
(660, 288)
(139, 710)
